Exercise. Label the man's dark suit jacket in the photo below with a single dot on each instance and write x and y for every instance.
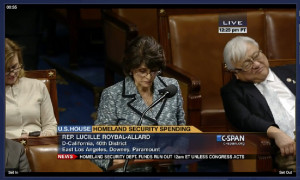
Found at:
(15, 157)
(246, 108)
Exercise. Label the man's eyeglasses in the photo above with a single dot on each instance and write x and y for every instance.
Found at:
(143, 72)
(14, 70)
(248, 63)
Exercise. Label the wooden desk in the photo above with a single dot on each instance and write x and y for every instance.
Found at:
(33, 141)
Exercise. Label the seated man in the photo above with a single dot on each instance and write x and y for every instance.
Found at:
(15, 157)
(260, 99)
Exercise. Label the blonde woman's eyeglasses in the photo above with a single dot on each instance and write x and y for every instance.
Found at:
(14, 70)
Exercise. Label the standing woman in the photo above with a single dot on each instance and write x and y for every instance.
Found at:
(28, 103)
(124, 102)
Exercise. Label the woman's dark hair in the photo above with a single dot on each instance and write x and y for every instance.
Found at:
(144, 49)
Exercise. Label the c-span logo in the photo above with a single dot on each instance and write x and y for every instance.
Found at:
(219, 138)
(231, 139)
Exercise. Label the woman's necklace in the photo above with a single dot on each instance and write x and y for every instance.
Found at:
(148, 101)
(147, 96)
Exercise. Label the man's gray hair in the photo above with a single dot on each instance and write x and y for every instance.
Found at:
(235, 50)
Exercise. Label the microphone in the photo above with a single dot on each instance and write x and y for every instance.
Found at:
(167, 92)
(170, 91)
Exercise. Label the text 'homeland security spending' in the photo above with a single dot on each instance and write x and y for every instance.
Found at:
(127, 129)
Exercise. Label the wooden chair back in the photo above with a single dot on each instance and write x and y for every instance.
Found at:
(49, 78)
(192, 43)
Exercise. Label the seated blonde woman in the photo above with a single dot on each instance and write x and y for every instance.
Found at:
(28, 104)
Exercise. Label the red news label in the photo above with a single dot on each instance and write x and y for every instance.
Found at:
(66, 156)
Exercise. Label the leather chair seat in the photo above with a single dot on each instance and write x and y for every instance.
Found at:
(43, 158)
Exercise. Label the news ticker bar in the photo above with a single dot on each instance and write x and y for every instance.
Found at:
(127, 129)
(157, 156)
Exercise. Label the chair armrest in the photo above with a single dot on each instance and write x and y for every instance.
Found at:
(33, 141)
(263, 142)
(264, 151)
(182, 75)
(264, 148)
(190, 87)
(43, 158)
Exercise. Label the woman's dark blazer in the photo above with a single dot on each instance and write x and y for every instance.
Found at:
(15, 157)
